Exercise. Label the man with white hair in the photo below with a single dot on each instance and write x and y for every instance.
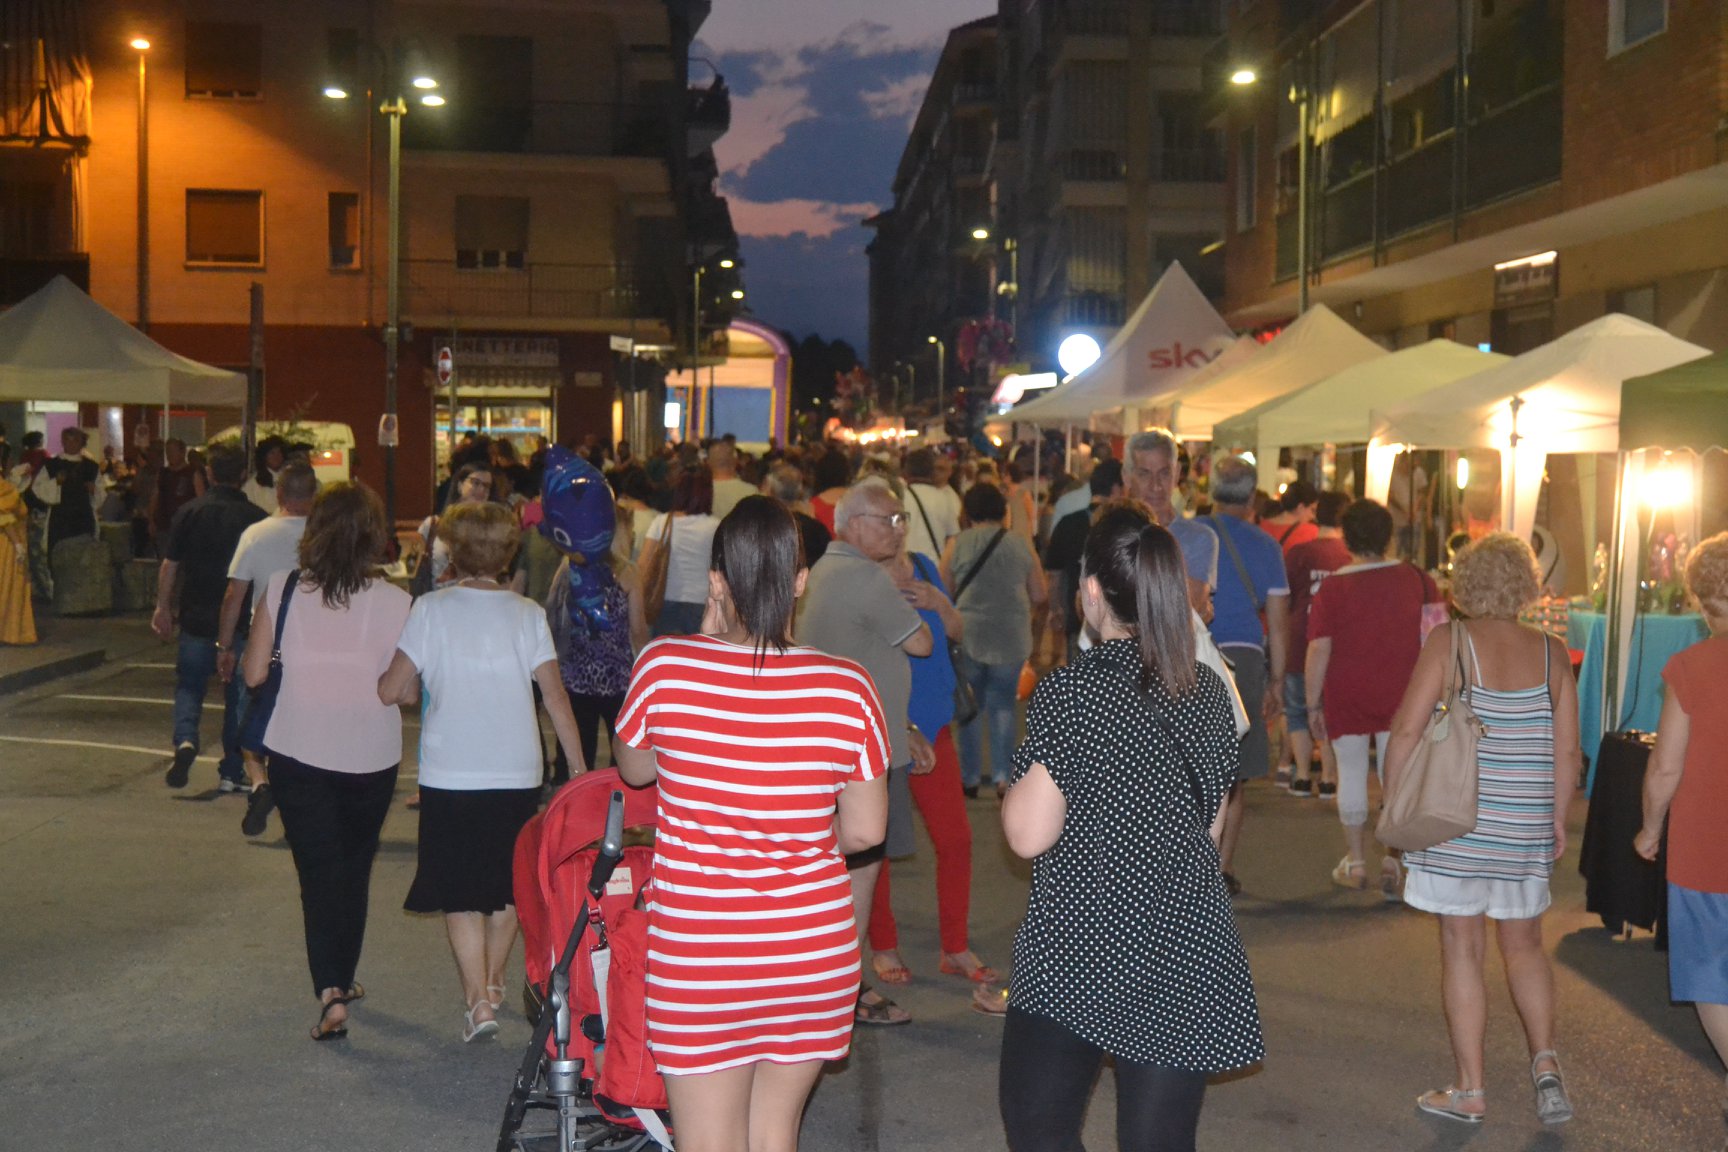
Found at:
(1251, 581)
(1152, 473)
(728, 488)
(851, 608)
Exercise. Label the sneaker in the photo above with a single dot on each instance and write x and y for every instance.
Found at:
(1327, 791)
(258, 808)
(182, 769)
(229, 787)
(1303, 788)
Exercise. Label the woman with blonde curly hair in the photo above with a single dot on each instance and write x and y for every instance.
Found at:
(1519, 683)
(1689, 771)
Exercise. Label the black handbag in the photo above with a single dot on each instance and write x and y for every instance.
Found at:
(263, 702)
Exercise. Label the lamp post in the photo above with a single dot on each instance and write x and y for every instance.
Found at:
(404, 62)
(142, 47)
(1299, 96)
(941, 371)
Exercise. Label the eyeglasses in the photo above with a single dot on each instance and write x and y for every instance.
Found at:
(895, 519)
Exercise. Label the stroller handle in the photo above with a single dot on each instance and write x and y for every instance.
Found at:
(611, 846)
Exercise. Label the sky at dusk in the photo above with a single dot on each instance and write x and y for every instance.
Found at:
(823, 95)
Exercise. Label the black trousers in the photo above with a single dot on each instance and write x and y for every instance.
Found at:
(1046, 1078)
(591, 712)
(332, 821)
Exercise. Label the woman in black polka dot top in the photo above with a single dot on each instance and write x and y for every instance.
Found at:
(1128, 946)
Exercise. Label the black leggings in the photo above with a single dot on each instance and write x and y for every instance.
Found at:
(1046, 1079)
(591, 712)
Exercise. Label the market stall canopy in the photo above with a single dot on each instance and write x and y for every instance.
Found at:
(59, 344)
(1335, 410)
(1681, 407)
(1561, 397)
(1316, 345)
(1173, 334)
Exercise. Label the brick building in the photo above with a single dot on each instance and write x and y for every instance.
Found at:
(554, 200)
(1446, 139)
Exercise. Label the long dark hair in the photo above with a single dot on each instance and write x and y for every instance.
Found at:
(758, 550)
(344, 541)
(1138, 566)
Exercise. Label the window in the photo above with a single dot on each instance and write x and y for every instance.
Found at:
(491, 231)
(1638, 303)
(224, 227)
(1247, 179)
(1635, 21)
(225, 61)
(344, 230)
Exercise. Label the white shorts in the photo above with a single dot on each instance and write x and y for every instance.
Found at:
(1496, 899)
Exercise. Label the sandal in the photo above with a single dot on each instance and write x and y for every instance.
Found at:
(1553, 1106)
(890, 972)
(990, 1001)
(980, 974)
(497, 1001)
(319, 1032)
(356, 992)
(473, 1029)
(1349, 874)
(884, 1013)
(413, 802)
(1391, 880)
(1444, 1102)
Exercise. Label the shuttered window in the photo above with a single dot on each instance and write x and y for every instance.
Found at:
(224, 227)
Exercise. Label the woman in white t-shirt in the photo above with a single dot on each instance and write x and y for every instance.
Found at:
(692, 523)
(478, 649)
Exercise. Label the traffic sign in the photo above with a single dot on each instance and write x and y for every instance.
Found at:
(446, 365)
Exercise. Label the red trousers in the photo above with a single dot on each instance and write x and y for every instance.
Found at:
(943, 805)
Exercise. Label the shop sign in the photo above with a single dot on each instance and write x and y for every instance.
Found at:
(1530, 280)
(506, 351)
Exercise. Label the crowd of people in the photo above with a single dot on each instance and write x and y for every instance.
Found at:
(805, 646)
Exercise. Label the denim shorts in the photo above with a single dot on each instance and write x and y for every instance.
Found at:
(1296, 701)
(1697, 958)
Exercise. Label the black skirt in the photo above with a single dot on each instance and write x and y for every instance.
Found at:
(467, 841)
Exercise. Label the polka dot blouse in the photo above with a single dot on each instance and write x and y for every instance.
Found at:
(1128, 939)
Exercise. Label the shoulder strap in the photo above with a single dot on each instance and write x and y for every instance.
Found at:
(1175, 738)
(966, 580)
(1236, 560)
(282, 614)
(1288, 532)
(912, 491)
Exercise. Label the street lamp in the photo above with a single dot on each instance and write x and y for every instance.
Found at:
(980, 233)
(941, 370)
(142, 47)
(409, 62)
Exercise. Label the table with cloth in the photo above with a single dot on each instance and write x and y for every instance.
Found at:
(1654, 639)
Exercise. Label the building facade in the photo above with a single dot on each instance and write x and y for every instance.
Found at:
(552, 198)
(1575, 144)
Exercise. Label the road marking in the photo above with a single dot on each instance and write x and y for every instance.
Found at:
(170, 667)
(125, 699)
(162, 753)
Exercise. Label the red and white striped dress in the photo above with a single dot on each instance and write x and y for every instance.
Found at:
(752, 948)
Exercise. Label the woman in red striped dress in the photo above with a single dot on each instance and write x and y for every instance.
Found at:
(771, 762)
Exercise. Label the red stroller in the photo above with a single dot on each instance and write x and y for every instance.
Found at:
(578, 890)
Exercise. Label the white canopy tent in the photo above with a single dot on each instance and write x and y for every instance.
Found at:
(59, 344)
(1173, 334)
(1316, 345)
(1335, 410)
(1562, 397)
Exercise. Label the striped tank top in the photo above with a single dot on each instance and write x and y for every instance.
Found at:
(1514, 834)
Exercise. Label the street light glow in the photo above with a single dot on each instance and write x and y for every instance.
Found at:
(432, 101)
(980, 233)
(737, 293)
(425, 83)
(140, 43)
(1243, 76)
(1078, 353)
(728, 263)
(335, 92)
(931, 340)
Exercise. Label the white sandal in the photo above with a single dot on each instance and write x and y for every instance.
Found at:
(1444, 1102)
(1350, 873)
(1553, 1106)
(473, 1029)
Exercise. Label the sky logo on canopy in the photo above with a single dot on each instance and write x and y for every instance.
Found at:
(1177, 356)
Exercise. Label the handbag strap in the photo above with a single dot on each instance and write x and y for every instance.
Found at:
(1169, 730)
(1236, 560)
(282, 614)
(966, 580)
(912, 491)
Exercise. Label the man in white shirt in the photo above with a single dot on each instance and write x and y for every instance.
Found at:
(270, 546)
(728, 488)
(932, 509)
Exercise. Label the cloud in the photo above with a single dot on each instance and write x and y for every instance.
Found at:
(816, 219)
(897, 100)
(759, 124)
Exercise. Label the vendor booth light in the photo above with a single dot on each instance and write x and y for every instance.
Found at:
(1669, 486)
(1463, 473)
(1078, 353)
(1536, 261)
(673, 416)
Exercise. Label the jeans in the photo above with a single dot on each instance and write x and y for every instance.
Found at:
(331, 821)
(193, 667)
(997, 687)
(1045, 1080)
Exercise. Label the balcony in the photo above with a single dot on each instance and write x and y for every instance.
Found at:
(707, 115)
(1093, 309)
(22, 275)
(440, 290)
(1094, 165)
(1189, 166)
(547, 128)
(1110, 18)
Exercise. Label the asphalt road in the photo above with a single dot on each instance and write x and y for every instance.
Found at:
(155, 993)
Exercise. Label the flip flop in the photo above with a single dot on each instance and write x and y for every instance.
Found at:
(891, 973)
(983, 974)
(319, 1032)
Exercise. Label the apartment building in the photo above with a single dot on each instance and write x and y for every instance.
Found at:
(1494, 171)
(552, 197)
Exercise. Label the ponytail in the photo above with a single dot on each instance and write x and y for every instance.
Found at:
(1139, 569)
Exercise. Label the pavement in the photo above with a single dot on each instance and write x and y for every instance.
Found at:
(156, 994)
(67, 645)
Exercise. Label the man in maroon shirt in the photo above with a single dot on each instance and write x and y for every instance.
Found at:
(1307, 564)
